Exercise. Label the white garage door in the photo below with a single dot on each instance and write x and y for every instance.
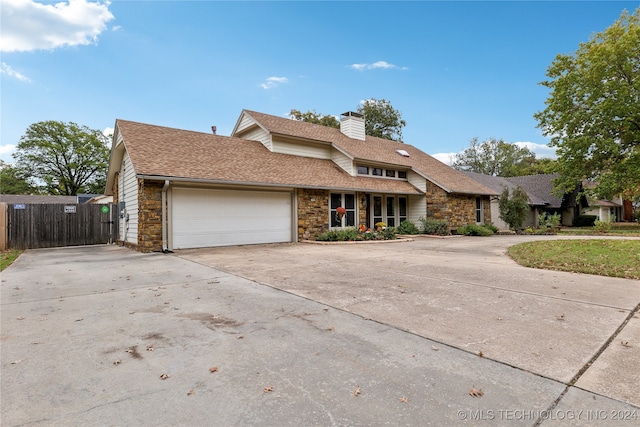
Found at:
(203, 218)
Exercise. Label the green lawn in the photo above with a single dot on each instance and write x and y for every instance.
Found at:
(615, 258)
(7, 257)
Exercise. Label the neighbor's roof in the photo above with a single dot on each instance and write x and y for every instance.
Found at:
(375, 150)
(541, 186)
(498, 184)
(37, 199)
(604, 203)
(168, 153)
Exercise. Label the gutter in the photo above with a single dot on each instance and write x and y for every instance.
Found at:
(165, 249)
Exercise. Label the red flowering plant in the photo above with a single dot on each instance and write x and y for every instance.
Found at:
(340, 211)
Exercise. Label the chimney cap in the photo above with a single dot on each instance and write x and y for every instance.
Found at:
(352, 114)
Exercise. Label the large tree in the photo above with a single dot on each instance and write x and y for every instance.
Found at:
(592, 113)
(495, 157)
(64, 158)
(313, 117)
(381, 119)
(13, 180)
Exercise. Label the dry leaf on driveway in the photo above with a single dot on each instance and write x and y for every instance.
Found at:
(165, 376)
(356, 392)
(476, 392)
(213, 369)
(267, 389)
(403, 399)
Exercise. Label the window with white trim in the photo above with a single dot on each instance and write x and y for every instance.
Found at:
(391, 210)
(346, 201)
(382, 172)
(479, 210)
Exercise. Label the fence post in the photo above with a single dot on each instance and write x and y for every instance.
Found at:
(3, 226)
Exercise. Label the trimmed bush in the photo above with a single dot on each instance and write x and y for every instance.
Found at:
(352, 234)
(435, 227)
(602, 226)
(407, 227)
(475, 230)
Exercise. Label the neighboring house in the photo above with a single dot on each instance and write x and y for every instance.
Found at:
(539, 188)
(607, 210)
(100, 199)
(275, 180)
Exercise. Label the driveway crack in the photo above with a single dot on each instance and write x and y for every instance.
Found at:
(587, 365)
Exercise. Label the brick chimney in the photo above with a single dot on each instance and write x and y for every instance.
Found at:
(352, 125)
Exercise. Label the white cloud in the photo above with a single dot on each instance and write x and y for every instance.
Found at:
(541, 150)
(376, 65)
(446, 158)
(6, 151)
(108, 132)
(6, 69)
(28, 25)
(272, 82)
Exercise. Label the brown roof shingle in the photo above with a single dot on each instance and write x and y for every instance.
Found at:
(162, 152)
(376, 150)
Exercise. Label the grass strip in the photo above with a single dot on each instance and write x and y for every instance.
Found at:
(614, 258)
(7, 257)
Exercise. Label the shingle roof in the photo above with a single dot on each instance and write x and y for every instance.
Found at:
(540, 186)
(37, 199)
(375, 150)
(498, 184)
(162, 152)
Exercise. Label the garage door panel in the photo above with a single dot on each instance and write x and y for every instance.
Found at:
(203, 218)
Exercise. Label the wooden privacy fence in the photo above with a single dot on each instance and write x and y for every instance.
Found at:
(30, 226)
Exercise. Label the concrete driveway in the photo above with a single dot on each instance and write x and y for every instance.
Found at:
(296, 334)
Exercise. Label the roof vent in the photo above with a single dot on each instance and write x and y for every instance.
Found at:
(214, 129)
(352, 125)
(402, 153)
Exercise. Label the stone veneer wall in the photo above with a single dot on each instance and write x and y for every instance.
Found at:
(437, 202)
(486, 209)
(462, 210)
(313, 215)
(149, 215)
(458, 209)
(362, 209)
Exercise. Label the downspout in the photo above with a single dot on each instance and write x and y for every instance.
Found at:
(165, 249)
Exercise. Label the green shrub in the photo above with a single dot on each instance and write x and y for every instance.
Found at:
(552, 220)
(388, 233)
(491, 227)
(435, 227)
(352, 234)
(602, 226)
(474, 230)
(585, 220)
(407, 227)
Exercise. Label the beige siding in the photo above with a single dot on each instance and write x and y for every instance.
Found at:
(245, 122)
(495, 216)
(344, 162)
(417, 208)
(417, 181)
(128, 193)
(301, 149)
(258, 134)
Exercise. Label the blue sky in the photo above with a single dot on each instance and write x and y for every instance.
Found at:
(456, 70)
